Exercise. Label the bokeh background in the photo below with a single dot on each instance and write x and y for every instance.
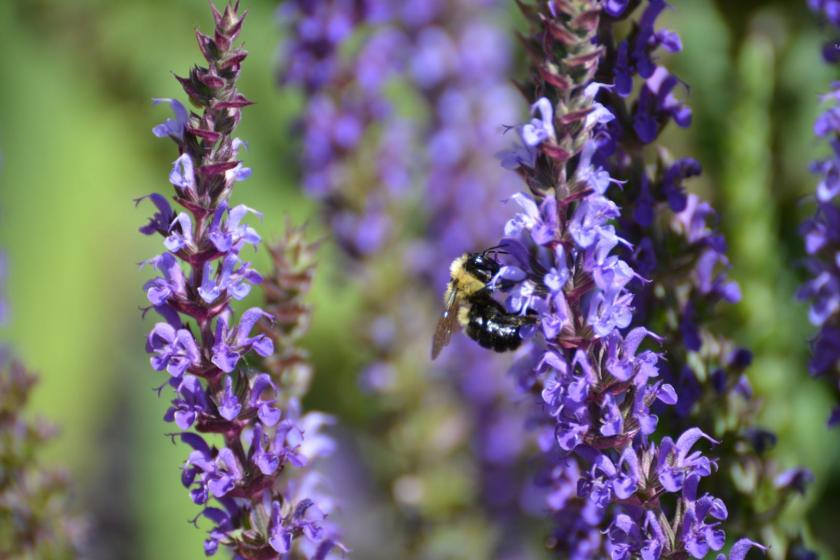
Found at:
(76, 148)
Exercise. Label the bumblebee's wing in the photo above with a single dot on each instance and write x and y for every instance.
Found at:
(446, 325)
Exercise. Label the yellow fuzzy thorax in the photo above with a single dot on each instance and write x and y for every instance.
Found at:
(463, 281)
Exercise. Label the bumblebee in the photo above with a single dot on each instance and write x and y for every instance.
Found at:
(470, 305)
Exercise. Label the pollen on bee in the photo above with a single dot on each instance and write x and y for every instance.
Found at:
(464, 316)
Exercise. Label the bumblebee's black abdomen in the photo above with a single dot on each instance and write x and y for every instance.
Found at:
(489, 324)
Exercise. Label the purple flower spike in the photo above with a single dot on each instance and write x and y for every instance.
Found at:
(254, 420)
(574, 259)
(684, 381)
(820, 232)
(830, 8)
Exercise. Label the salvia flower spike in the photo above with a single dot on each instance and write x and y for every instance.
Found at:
(822, 234)
(593, 379)
(372, 167)
(240, 475)
(682, 268)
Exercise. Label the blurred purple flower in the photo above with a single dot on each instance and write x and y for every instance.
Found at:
(822, 241)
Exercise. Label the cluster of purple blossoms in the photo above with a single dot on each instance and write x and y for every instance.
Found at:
(451, 59)
(822, 235)
(345, 106)
(460, 65)
(596, 382)
(311, 53)
(461, 61)
(656, 103)
(597, 387)
(682, 267)
(453, 55)
(207, 353)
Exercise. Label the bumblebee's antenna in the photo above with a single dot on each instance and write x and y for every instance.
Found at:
(496, 249)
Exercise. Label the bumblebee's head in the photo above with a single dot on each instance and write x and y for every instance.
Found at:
(465, 279)
(481, 265)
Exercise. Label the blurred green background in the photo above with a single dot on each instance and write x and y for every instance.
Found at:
(76, 148)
